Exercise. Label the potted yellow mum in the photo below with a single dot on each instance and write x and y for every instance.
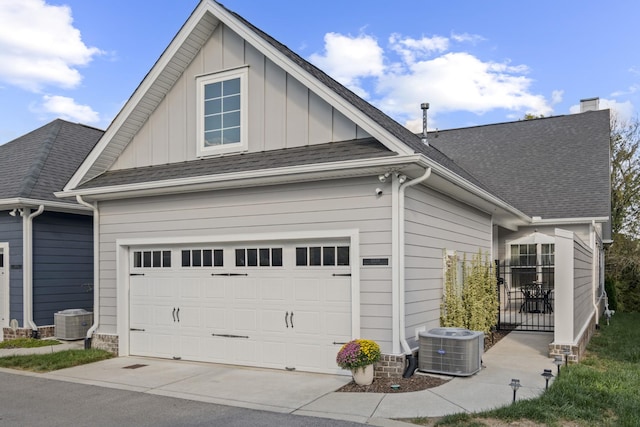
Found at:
(359, 355)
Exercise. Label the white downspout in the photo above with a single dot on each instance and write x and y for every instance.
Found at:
(27, 266)
(596, 274)
(96, 266)
(401, 260)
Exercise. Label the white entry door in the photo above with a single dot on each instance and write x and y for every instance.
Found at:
(278, 305)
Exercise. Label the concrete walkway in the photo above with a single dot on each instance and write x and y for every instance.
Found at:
(521, 355)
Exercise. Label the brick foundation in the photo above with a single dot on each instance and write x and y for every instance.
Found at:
(389, 366)
(43, 332)
(576, 351)
(105, 342)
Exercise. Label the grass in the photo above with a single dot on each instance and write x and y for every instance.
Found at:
(27, 343)
(54, 361)
(602, 390)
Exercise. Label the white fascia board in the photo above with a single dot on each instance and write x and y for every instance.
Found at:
(19, 202)
(257, 177)
(561, 221)
(331, 97)
(138, 94)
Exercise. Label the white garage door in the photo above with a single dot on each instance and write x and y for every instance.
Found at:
(278, 305)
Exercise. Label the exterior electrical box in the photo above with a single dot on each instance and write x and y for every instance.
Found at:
(72, 324)
(451, 351)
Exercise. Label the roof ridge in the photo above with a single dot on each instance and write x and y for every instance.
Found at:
(33, 173)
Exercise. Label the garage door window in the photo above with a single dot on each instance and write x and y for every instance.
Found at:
(259, 257)
(151, 259)
(202, 258)
(322, 255)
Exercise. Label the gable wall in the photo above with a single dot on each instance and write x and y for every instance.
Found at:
(282, 112)
(304, 207)
(434, 223)
(580, 230)
(62, 264)
(11, 232)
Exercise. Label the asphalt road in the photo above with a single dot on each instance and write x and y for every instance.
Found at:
(32, 401)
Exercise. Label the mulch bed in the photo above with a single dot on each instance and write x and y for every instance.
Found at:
(418, 381)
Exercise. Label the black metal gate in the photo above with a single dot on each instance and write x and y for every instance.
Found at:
(526, 297)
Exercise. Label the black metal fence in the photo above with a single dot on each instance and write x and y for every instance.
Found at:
(526, 294)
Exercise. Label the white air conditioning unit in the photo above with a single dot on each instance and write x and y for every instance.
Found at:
(451, 351)
(72, 324)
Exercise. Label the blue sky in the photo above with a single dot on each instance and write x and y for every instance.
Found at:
(474, 62)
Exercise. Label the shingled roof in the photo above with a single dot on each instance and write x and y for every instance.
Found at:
(555, 167)
(41, 162)
(313, 154)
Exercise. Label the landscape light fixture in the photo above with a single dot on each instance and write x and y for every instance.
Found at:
(515, 385)
(558, 362)
(567, 353)
(547, 376)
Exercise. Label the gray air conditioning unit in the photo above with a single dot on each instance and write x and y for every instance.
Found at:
(451, 351)
(72, 324)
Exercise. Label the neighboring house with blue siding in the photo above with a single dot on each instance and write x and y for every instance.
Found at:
(46, 244)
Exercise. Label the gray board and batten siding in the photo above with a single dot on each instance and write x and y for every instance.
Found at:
(282, 112)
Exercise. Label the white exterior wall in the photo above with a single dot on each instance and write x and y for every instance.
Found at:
(434, 222)
(282, 112)
(583, 286)
(582, 231)
(304, 207)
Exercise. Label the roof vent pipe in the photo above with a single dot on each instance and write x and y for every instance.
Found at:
(425, 107)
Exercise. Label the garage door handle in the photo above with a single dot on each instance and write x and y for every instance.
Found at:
(291, 320)
(173, 314)
(286, 321)
(178, 314)
(229, 274)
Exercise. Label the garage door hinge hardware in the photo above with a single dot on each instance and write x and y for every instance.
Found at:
(136, 274)
(229, 274)
(339, 343)
(136, 329)
(341, 275)
(229, 336)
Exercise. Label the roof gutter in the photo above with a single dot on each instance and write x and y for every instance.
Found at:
(19, 202)
(96, 268)
(27, 265)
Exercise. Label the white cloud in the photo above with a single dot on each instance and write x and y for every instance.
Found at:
(424, 70)
(411, 49)
(623, 110)
(349, 59)
(40, 46)
(67, 109)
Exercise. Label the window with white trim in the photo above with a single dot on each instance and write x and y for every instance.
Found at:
(202, 258)
(322, 255)
(152, 259)
(259, 257)
(222, 112)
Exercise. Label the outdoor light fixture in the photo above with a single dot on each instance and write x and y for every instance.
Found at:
(402, 179)
(558, 362)
(547, 376)
(515, 385)
(383, 177)
(567, 353)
